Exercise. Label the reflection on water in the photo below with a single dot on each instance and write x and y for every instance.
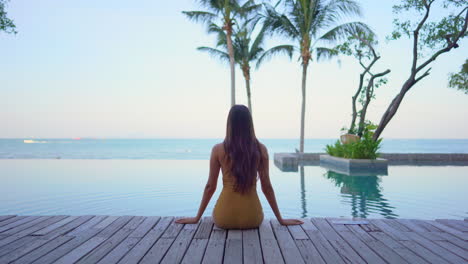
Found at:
(363, 193)
(175, 187)
(303, 194)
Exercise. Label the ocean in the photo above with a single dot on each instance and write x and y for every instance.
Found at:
(190, 149)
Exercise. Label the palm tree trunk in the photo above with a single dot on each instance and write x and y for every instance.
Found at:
(246, 72)
(247, 84)
(231, 63)
(304, 75)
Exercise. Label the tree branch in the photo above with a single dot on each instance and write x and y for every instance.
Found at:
(426, 73)
(448, 48)
(416, 37)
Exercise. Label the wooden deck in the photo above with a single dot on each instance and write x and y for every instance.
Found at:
(138, 239)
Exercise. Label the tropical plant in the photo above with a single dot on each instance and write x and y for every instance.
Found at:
(6, 24)
(430, 39)
(361, 46)
(459, 80)
(247, 50)
(304, 22)
(222, 14)
(365, 148)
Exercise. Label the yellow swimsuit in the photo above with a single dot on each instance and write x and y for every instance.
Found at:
(235, 210)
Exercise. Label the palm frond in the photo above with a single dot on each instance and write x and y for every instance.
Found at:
(279, 23)
(344, 30)
(200, 16)
(281, 49)
(325, 53)
(219, 54)
(337, 10)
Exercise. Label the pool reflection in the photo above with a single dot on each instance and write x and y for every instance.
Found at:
(363, 193)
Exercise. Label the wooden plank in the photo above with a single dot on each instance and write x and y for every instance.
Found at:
(104, 248)
(308, 251)
(397, 225)
(251, 248)
(411, 225)
(361, 248)
(423, 252)
(398, 248)
(159, 249)
(37, 252)
(346, 252)
(41, 224)
(114, 226)
(297, 232)
(326, 250)
(87, 225)
(427, 226)
(204, 230)
(350, 222)
(85, 236)
(119, 251)
(54, 226)
(461, 235)
(139, 250)
(215, 248)
(306, 247)
(132, 240)
(377, 246)
(97, 247)
(453, 248)
(389, 230)
(286, 243)
(106, 222)
(5, 217)
(11, 220)
(145, 226)
(233, 250)
(18, 223)
(37, 243)
(15, 245)
(455, 240)
(325, 229)
(80, 251)
(270, 247)
(195, 251)
(436, 249)
(177, 250)
(67, 228)
(66, 247)
(459, 225)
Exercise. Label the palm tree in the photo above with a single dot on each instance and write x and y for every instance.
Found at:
(225, 12)
(308, 23)
(247, 49)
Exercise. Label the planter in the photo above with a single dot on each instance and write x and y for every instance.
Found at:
(348, 138)
(355, 167)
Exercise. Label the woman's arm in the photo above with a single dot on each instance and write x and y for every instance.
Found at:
(267, 189)
(210, 188)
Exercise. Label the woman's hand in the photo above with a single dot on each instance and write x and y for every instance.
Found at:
(189, 220)
(287, 222)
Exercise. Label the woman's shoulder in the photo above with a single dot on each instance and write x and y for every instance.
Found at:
(263, 149)
(218, 148)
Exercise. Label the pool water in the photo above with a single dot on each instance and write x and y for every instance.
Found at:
(174, 187)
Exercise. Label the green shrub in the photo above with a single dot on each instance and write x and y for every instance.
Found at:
(366, 148)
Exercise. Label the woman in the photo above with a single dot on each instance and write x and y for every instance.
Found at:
(240, 157)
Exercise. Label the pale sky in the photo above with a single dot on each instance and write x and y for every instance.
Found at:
(130, 69)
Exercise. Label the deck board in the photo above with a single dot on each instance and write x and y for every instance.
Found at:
(154, 239)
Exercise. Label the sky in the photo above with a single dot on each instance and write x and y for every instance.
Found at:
(130, 69)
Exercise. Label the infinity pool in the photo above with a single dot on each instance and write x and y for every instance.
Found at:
(174, 187)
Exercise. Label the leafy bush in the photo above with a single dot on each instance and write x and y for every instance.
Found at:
(366, 148)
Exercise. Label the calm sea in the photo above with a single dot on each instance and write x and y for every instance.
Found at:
(190, 149)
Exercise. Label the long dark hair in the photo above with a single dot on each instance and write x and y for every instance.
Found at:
(242, 147)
